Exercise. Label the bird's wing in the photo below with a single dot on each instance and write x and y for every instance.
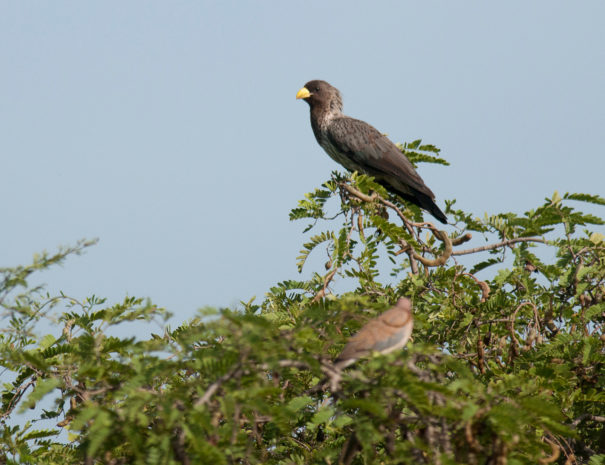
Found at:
(369, 148)
(376, 335)
(362, 342)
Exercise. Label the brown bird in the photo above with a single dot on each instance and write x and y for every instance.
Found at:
(388, 332)
(360, 147)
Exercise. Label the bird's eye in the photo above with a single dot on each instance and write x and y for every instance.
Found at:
(317, 89)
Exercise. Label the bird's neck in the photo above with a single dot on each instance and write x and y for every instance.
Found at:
(321, 116)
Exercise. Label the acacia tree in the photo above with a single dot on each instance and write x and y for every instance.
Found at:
(506, 370)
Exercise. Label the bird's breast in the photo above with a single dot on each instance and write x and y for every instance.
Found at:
(337, 155)
(320, 124)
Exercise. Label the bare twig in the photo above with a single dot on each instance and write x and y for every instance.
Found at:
(549, 319)
(349, 449)
(470, 438)
(482, 284)
(500, 244)
(214, 386)
(287, 364)
(514, 349)
(360, 195)
(360, 225)
(367, 198)
(556, 451)
(20, 391)
(327, 280)
(480, 354)
(588, 417)
(332, 379)
(178, 446)
(413, 262)
(462, 239)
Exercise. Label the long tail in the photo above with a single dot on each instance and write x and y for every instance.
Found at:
(421, 199)
(434, 210)
(425, 202)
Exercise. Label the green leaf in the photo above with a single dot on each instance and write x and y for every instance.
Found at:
(46, 341)
(595, 199)
(298, 403)
(342, 421)
(322, 416)
(310, 246)
(41, 389)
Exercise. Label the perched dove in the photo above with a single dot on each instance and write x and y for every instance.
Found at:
(388, 332)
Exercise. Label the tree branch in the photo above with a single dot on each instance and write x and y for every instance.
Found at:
(443, 237)
(555, 452)
(360, 195)
(500, 244)
(462, 239)
(349, 449)
(482, 284)
(214, 386)
(588, 417)
(327, 280)
(178, 446)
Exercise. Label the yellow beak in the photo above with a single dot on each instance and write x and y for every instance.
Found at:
(303, 93)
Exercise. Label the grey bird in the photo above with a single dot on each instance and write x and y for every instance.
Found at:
(358, 146)
(388, 332)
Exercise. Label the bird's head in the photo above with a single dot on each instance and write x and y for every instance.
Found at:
(404, 304)
(320, 94)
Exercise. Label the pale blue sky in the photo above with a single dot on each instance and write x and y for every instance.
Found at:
(170, 129)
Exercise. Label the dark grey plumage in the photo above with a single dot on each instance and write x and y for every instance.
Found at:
(358, 146)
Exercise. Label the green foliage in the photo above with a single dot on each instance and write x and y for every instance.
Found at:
(502, 370)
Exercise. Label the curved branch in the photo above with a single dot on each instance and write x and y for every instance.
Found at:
(413, 263)
(482, 284)
(327, 280)
(462, 239)
(443, 237)
(511, 327)
(413, 255)
(555, 452)
(375, 196)
(360, 195)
